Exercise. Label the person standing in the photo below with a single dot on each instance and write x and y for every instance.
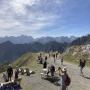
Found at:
(45, 64)
(82, 64)
(64, 79)
(46, 58)
(10, 72)
(52, 70)
(16, 74)
(54, 58)
(62, 61)
(56, 55)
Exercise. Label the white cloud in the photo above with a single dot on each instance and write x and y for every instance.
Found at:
(15, 19)
(8, 24)
(19, 5)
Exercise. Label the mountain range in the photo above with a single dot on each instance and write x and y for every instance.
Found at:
(84, 40)
(12, 48)
(10, 52)
(28, 39)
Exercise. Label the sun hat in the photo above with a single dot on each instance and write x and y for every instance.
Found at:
(64, 69)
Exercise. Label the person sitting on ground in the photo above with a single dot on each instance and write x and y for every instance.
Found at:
(5, 77)
(64, 79)
(82, 64)
(10, 72)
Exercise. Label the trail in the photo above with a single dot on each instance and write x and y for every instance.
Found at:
(34, 82)
(78, 82)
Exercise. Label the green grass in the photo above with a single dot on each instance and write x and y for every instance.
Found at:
(22, 60)
(75, 58)
(3, 67)
(28, 60)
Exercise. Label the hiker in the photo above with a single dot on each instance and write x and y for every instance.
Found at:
(40, 54)
(16, 74)
(52, 70)
(82, 64)
(38, 58)
(64, 79)
(5, 77)
(10, 72)
(59, 69)
(45, 64)
(49, 55)
(41, 60)
(62, 61)
(46, 58)
(54, 57)
(49, 69)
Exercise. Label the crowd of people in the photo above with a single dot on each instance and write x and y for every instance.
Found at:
(64, 77)
(65, 80)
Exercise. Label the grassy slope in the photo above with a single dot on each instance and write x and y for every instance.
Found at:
(28, 60)
(74, 58)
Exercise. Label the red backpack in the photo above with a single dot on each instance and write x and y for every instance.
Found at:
(68, 80)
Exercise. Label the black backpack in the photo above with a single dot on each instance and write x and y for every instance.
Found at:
(67, 80)
(52, 68)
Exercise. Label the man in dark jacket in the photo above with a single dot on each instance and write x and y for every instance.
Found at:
(10, 72)
(82, 64)
(52, 70)
(45, 64)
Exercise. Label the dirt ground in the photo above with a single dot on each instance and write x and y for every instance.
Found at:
(34, 82)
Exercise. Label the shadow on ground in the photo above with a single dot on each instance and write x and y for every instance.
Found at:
(54, 80)
(86, 77)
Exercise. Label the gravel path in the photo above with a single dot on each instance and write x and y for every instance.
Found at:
(78, 83)
(34, 82)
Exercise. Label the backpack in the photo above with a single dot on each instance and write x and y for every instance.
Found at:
(52, 68)
(68, 80)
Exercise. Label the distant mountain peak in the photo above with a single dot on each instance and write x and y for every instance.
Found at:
(29, 39)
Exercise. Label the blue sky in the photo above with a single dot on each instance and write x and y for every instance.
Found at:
(44, 17)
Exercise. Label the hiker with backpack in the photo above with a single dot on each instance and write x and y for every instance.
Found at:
(82, 64)
(64, 79)
(10, 72)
